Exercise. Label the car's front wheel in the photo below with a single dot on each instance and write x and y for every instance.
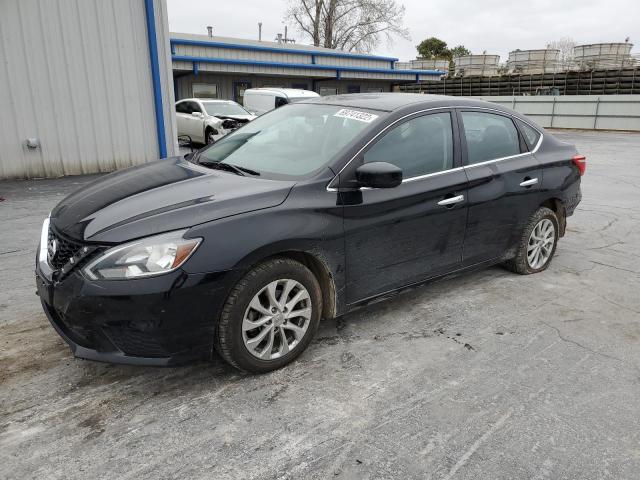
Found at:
(270, 317)
(537, 245)
(210, 136)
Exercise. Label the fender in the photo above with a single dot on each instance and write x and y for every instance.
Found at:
(290, 228)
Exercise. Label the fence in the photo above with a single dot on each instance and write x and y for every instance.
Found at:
(624, 81)
(607, 112)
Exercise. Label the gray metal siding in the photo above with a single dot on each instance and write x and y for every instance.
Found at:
(180, 65)
(76, 75)
(259, 69)
(225, 83)
(218, 52)
(352, 62)
(209, 52)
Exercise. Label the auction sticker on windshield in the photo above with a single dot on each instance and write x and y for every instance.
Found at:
(356, 115)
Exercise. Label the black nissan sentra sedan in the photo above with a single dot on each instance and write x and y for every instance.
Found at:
(303, 214)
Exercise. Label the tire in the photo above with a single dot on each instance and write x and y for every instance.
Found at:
(208, 137)
(249, 312)
(522, 263)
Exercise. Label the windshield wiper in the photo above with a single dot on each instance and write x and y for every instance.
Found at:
(228, 167)
(245, 170)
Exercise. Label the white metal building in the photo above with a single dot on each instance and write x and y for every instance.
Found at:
(220, 67)
(88, 86)
(85, 86)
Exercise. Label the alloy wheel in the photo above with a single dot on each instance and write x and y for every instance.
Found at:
(276, 319)
(540, 245)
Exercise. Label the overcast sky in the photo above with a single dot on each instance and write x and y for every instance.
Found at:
(496, 26)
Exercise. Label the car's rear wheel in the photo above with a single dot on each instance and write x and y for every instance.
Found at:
(537, 245)
(270, 317)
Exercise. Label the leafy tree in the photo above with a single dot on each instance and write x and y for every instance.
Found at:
(433, 48)
(459, 51)
(565, 45)
(351, 25)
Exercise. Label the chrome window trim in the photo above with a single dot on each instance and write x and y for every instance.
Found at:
(427, 175)
(463, 167)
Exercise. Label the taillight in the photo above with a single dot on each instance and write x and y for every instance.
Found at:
(580, 162)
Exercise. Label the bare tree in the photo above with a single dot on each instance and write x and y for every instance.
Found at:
(565, 45)
(351, 25)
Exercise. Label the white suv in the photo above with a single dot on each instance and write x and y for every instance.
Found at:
(208, 120)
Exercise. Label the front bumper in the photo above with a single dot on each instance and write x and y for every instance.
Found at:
(160, 321)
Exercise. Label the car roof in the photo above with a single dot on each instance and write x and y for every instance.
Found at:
(206, 100)
(289, 92)
(214, 100)
(391, 101)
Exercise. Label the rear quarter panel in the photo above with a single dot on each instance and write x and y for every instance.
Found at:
(561, 178)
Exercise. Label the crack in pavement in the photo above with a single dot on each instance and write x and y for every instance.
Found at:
(594, 352)
(616, 268)
(15, 251)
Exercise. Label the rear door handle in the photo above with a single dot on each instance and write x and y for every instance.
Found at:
(528, 183)
(451, 200)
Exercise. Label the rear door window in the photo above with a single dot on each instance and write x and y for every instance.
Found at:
(489, 136)
(418, 146)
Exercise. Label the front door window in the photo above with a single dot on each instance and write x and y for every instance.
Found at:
(418, 146)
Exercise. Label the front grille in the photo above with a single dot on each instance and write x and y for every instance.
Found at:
(60, 250)
(81, 335)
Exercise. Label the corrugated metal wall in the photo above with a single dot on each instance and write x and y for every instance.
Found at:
(253, 69)
(272, 56)
(268, 58)
(75, 74)
(199, 51)
(225, 83)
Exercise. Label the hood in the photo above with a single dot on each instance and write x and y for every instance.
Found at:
(158, 197)
(246, 117)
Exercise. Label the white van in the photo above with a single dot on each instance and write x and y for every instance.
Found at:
(262, 100)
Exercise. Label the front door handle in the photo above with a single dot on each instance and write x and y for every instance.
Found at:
(528, 183)
(451, 201)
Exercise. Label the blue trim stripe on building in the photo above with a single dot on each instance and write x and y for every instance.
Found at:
(155, 76)
(259, 48)
(337, 69)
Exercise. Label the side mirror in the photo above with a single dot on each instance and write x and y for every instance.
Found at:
(196, 114)
(379, 175)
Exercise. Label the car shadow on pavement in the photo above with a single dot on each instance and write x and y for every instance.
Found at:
(370, 318)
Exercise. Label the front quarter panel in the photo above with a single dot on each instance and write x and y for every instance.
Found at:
(309, 221)
(214, 122)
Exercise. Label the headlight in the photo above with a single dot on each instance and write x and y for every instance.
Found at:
(44, 240)
(143, 258)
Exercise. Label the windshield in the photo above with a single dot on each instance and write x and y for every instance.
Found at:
(291, 141)
(220, 108)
